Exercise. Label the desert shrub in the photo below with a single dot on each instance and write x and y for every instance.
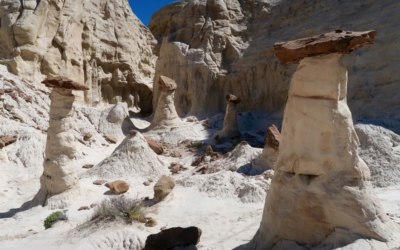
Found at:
(53, 218)
(127, 209)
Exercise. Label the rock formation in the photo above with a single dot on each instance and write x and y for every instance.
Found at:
(99, 43)
(267, 159)
(115, 121)
(132, 157)
(225, 46)
(165, 115)
(231, 126)
(59, 183)
(321, 192)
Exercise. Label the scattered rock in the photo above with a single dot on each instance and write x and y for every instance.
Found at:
(83, 208)
(273, 137)
(154, 145)
(111, 139)
(163, 187)
(176, 154)
(7, 140)
(93, 205)
(146, 183)
(87, 136)
(88, 166)
(173, 237)
(118, 187)
(191, 119)
(269, 174)
(233, 169)
(142, 219)
(150, 222)
(175, 168)
(99, 182)
(17, 117)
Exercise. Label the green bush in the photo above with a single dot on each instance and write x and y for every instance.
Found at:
(119, 207)
(53, 218)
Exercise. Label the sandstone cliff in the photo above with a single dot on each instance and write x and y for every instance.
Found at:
(215, 47)
(100, 43)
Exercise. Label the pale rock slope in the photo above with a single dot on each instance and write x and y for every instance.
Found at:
(225, 46)
(99, 43)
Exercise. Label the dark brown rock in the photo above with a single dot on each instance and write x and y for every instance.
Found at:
(273, 137)
(167, 83)
(88, 166)
(339, 41)
(154, 145)
(65, 83)
(233, 99)
(83, 208)
(173, 237)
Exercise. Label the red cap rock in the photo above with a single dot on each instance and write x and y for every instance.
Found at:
(338, 41)
(64, 83)
(167, 83)
(233, 99)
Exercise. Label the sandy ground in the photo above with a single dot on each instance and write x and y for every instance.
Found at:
(226, 221)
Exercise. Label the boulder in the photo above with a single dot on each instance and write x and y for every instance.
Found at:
(163, 187)
(118, 186)
(154, 145)
(173, 237)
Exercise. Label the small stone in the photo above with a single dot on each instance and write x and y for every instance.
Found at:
(83, 208)
(154, 145)
(142, 219)
(99, 182)
(87, 136)
(150, 222)
(146, 183)
(176, 154)
(111, 139)
(175, 168)
(93, 205)
(88, 166)
(233, 169)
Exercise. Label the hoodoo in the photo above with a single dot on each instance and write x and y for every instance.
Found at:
(321, 192)
(231, 127)
(59, 183)
(165, 115)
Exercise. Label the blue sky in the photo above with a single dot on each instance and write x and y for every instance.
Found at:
(144, 9)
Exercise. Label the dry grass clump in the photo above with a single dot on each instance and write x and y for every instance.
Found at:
(120, 207)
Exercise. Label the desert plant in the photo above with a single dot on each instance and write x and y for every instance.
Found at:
(53, 218)
(127, 209)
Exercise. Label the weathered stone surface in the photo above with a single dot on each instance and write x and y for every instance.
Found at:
(173, 237)
(163, 187)
(59, 184)
(101, 44)
(226, 46)
(63, 82)
(273, 137)
(320, 184)
(155, 145)
(118, 186)
(338, 41)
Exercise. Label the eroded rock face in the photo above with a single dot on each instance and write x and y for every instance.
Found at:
(320, 183)
(226, 46)
(99, 43)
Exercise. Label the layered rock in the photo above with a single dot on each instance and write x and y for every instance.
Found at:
(59, 183)
(99, 43)
(165, 115)
(321, 188)
(226, 46)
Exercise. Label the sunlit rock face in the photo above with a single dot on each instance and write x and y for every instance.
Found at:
(99, 43)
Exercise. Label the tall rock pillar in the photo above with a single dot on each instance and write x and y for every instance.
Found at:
(59, 183)
(321, 192)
